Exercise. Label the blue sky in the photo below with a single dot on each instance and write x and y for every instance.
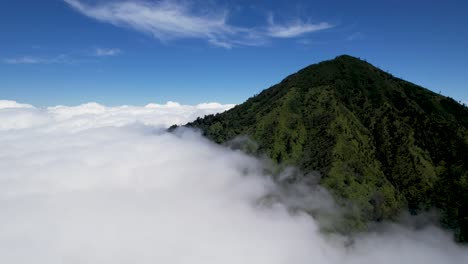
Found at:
(136, 52)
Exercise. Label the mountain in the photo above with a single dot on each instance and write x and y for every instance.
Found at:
(380, 142)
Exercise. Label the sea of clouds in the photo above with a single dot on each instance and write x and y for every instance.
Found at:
(96, 184)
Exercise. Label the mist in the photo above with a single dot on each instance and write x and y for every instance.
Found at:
(97, 184)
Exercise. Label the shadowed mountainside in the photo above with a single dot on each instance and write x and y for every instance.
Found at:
(380, 142)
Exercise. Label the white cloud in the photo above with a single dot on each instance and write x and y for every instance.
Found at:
(92, 115)
(13, 104)
(114, 191)
(355, 36)
(64, 58)
(294, 29)
(60, 59)
(166, 20)
(23, 60)
(101, 52)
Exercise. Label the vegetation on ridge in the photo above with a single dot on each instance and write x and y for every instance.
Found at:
(380, 142)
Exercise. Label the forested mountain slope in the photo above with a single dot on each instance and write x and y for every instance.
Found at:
(380, 142)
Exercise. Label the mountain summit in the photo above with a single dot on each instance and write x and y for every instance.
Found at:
(380, 142)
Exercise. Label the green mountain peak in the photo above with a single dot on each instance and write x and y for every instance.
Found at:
(382, 143)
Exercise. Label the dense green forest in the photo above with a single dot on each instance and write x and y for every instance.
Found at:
(382, 143)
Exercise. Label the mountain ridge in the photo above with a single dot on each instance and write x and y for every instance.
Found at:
(382, 143)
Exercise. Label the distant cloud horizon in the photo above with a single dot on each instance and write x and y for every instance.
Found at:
(84, 116)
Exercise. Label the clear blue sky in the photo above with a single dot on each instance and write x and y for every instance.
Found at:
(135, 52)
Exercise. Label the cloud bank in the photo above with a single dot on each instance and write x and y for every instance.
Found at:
(16, 116)
(96, 184)
(167, 20)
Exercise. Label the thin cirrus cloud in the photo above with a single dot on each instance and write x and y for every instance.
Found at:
(60, 59)
(355, 36)
(65, 58)
(102, 52)
(168, 20)
(294, 29)
(23, 60)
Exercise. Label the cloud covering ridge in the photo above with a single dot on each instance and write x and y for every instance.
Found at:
(95, 184)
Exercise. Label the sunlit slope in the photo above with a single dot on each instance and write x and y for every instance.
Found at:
(380, 142)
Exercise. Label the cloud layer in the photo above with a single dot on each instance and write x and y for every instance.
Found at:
(95, 184)
(167, 20)
(15, 116)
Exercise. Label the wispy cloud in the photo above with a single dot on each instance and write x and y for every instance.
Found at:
(355, 36)
(294, 29)
(22, 60)
(167, 20)
(102, 52)
(163, 20)
(76, 58)
(60, 59)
